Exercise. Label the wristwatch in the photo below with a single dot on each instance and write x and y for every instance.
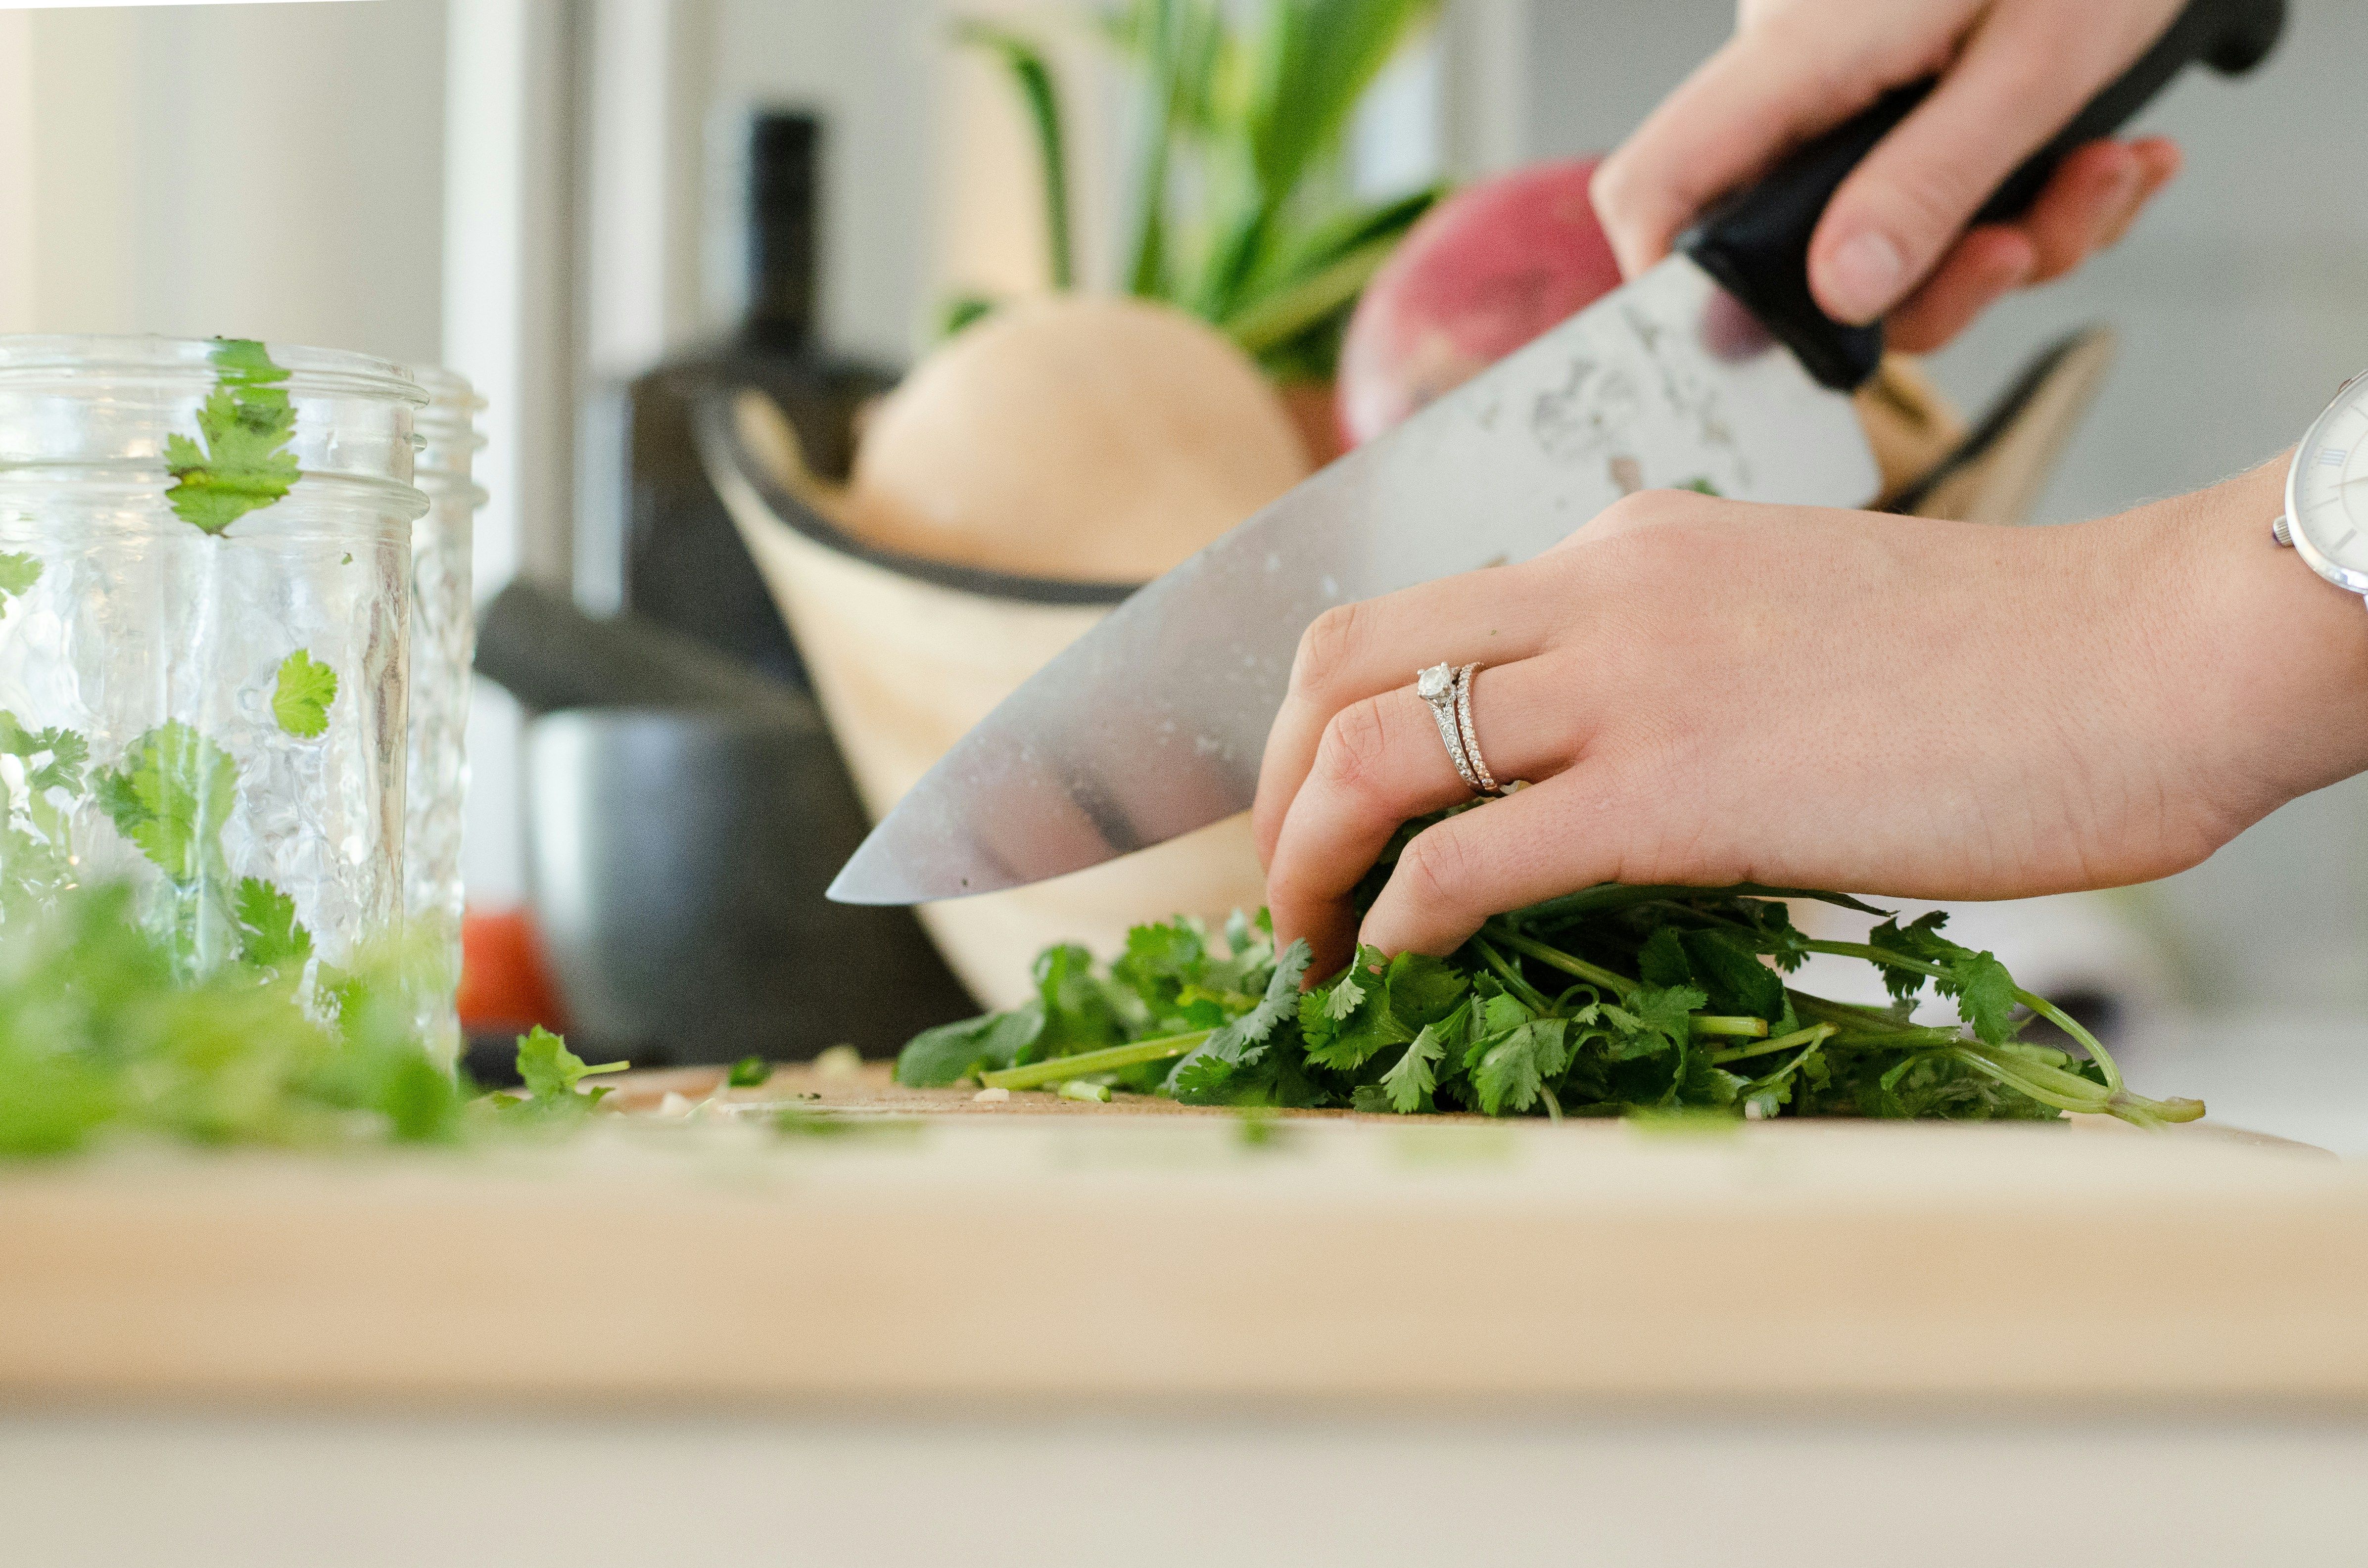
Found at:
(2326, 492)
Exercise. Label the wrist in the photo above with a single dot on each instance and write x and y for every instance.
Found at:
(2267, 661)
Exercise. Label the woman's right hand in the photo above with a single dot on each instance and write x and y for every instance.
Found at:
(1894, 245)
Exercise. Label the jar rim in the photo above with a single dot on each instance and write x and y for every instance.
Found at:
(31, 356)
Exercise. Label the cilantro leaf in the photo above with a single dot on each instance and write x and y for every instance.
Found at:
(270, 934)
(1411, 1081)
(1736, 981)
(551, 1072)
(301, 695)
(748, 1073)
(1984, 995)
(170, 795)
(951, 1052)
(246, 423)
(1201, 1076)
(19, 572)
(1653, 1020)
(67, 750)
(1514, 1065)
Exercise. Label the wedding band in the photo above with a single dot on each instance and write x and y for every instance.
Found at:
(1486, 782)
(1438, 686)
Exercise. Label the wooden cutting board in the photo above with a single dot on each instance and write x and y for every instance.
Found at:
(1145, 1254)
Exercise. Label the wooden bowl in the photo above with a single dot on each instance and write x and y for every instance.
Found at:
(909, 654)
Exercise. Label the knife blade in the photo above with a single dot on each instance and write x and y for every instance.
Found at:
(1714, 369)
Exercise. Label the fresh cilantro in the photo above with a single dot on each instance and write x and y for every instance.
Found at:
(748, 1073)
(302, 694)
(170, 794)
(551, 1072)
(19, 572)
(1205, 1077)
(1411, 1080)
(270, 934)
(245, 423)
(1646, 1001)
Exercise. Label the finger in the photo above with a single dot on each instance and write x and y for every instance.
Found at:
(1990, 263)
(2160, 162)
(2086, 208)
(1362, 650)
(2021, 76)
(1535, 845)
(2092, 189)
(1764, 91)
(1382, 762)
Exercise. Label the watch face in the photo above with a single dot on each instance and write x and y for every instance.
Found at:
(2328, 497)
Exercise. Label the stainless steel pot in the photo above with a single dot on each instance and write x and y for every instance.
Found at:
(678, 860)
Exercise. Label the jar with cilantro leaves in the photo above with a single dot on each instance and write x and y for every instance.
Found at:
(443, 649)
(205, 568)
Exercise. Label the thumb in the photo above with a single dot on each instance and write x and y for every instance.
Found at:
(2021, 76)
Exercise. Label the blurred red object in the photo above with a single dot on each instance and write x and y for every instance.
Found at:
(505, 983)
(1484, 273)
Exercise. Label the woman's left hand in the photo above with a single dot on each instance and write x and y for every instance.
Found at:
(1708, 692)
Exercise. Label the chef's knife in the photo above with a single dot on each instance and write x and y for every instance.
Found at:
(1714, 370)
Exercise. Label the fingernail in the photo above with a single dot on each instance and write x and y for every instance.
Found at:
(1865, 276)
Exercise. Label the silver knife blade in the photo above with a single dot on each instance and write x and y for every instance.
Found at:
(1153, 723)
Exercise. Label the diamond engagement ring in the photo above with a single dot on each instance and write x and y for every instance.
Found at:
(1448, 692)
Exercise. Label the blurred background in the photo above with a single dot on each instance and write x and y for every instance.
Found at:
(553, 197)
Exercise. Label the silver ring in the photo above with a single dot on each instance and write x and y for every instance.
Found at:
(1463, 678)
(1438, 686)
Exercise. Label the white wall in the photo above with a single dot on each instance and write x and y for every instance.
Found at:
(267, 172)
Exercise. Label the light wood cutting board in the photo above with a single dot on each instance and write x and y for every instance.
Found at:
(1049, 1253)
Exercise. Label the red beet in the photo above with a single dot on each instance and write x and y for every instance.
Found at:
(1484, 273)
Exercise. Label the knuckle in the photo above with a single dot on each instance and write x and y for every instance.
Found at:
(1350, 757)
(1327, 649)
(1612, 189)
(1437, 870)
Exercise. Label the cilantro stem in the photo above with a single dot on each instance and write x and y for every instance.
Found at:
(1816, 1034)
(2033, 1000)
(1733, 1028)
(1060, 1069)
(1554, 958)
(1512, 975)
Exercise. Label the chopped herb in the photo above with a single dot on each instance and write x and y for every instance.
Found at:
(271, 937)
(301, 695)
(19, 572)
(246, 423)
(748, 1073)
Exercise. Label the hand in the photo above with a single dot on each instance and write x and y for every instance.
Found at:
(1708, 692)
(1893, 244)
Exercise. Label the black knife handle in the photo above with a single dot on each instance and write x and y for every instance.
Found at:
(1755, 242)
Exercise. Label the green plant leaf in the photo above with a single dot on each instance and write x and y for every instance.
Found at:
(19, 572)
(551, 1072)
(170, 794)
(301, 695)
(270, 937)
(245, 424)
(1313, 61)
(1032, 73)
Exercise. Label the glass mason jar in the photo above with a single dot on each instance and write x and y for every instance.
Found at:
(443, 648)
(205, 568)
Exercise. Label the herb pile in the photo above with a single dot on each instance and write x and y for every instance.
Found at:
(100, 1038)
(1612, 1001)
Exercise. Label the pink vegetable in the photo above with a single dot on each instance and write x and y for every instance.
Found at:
(1484, 273)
